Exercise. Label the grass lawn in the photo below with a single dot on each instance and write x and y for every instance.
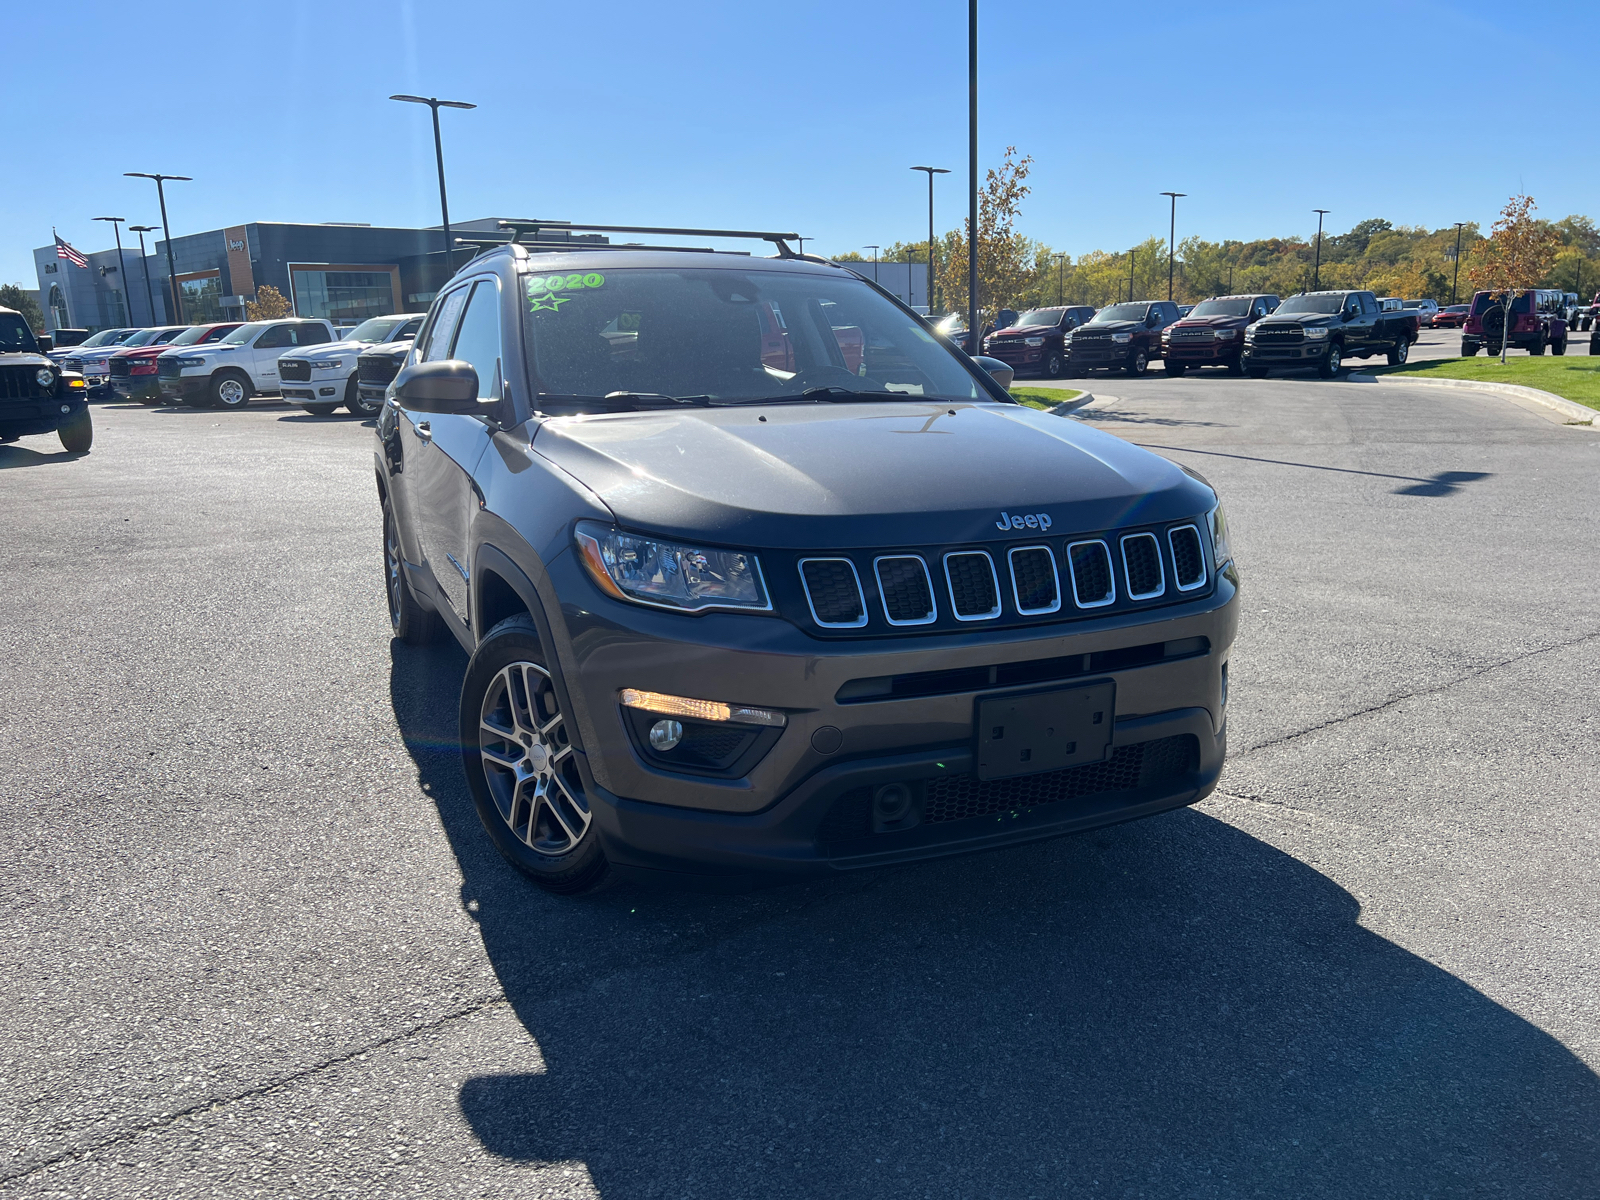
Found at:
(1572, 378)
(1043, 398)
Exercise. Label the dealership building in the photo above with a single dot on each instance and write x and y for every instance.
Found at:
(343, 272)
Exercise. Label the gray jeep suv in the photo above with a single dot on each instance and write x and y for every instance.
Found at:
(761, 579)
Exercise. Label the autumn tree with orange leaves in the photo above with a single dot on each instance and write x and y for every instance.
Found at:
(1519, 252)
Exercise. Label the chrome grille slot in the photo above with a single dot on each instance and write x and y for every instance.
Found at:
(974, 589)
(833, 590)
(906, 588)
(1035, 587)
(1188, 557)
(1141, 565)
(1092, 583)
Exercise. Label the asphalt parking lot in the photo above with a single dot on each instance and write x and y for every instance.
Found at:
(257, 944)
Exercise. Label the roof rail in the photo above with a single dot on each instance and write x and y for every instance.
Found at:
(780, 240)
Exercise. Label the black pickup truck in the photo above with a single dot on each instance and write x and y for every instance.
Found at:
(1322, 329)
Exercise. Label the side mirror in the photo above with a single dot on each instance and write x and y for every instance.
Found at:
(1349, 314)
(450, 386)
(46, 343)
(999, 371)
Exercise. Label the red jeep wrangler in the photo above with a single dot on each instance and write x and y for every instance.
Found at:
(1538, 319)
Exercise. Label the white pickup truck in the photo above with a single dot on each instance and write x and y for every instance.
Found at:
(321, 379)
(226, 374)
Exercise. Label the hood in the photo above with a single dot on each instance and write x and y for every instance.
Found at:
(1112, 327)
(1026, 330)
(27, 358)
(327, 350)
(1301, 319)
(861, 475)
(1210, 323)
(388, 349)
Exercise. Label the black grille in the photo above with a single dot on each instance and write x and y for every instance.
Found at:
(972, 586)
(963, 797)
(120, 368)
(1277, 335)
(1188, 561)
(168, 368)
(294, 370)
(1091, 574)
(1033, 572)
(1141, 558)
(18, 383)
(377, 368)
(834, 591)
(907, 596)
(1194, 335)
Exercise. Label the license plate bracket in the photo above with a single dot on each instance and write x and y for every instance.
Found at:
(1025, 733)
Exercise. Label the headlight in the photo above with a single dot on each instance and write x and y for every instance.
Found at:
(1221, 545)
(1224, 334)
(1038, 341)
(328, 366)
(670, 574)
(44, 377)
(191, 362)
(1317, 331)
(1122, 337)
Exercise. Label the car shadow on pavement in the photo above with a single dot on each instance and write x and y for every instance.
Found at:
(1441, 483)
(13, 456)
(1170, 1007)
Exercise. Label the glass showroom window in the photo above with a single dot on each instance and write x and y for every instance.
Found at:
(202, 298)
(344, 297)
(58, 308)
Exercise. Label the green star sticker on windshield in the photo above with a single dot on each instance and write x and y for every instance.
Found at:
(549, 302)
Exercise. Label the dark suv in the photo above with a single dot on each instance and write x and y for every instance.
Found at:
(1037, 340)
(1212, 334)
(1538, 319)
(36, 394)
(732, 621)
(1123, 337)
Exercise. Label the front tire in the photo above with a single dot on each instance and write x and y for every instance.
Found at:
(1175, 368)
(320, 410)
(1328, 368)
(77, 435)
(1469, 349)
(1054, 366)
(230, 390)
(1559, 346)
(412, 624)
(1139, 363)
(1237, 365)
(521, 762)
(1537, 349)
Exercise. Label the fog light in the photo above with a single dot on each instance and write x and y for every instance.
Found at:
(664, 735)
(66, 408)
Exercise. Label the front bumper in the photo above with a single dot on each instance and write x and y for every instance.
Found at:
(799, 809)
(1202, 353)
(1116, 356)
(24, 418)
(139, 388)
(1301, 351)
(184, 387)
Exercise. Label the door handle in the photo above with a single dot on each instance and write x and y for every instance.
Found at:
(424, 431)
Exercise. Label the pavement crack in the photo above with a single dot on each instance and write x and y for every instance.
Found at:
(1383, 706)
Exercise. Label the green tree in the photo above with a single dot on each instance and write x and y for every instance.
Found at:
(13, 295)
(1006, 262)
(1519, 253)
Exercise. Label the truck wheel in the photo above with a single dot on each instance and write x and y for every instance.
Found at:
(1559, 346)
(1237, 365)
(1468, 349)
(1175, 368)
(518, 749)
(320, 410)
(1257, 372)
(1139, 363)
(1054, 368)
(1331, 362)
(77, 435)
(412, 624)
(1537, 349)
(229, 390)
(1400, 352)
(1594, 346)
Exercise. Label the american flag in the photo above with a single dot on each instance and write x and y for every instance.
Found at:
(65, 250)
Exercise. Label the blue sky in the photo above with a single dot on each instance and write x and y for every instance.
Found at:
(798, 116)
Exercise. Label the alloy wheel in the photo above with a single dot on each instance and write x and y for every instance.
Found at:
(231, 392)
(393, 580)
(528, 761)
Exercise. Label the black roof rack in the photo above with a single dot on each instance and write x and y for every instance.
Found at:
(519, 228)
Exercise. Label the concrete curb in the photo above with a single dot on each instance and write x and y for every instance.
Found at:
(1067, 407)
(1575, 413)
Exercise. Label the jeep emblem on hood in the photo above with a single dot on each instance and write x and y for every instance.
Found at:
(1040, 521)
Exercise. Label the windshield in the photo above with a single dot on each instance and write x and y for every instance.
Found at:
(143, 338)
(193, 334)
(1317, 302)
(1120, 312)
(1041, 316)
(100, 339)
(1417, 303)
(15, 334)
(375, 330)
(1222, 308)
(244, 334)
(1458, 308)
(1483, 301)
(729, 335)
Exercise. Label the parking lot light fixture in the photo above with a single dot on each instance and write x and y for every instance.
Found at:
(1456, 276)
(932, 171)
(176, 315)
(144, 266)
(1316, 271)
(1133, 257)
(1060, 261)
(435, 104)
(1172, 238)
(122, 269)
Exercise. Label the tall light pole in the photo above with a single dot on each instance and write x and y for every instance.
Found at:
(435, 104)
(1457, 275)
(166, 227)
(1060, 261)
(972, 176)
(122, 268)
(932, 171)
(1133, 256)
(1316, 271)
(874, 250)
(144, 265)
(1172, 238)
